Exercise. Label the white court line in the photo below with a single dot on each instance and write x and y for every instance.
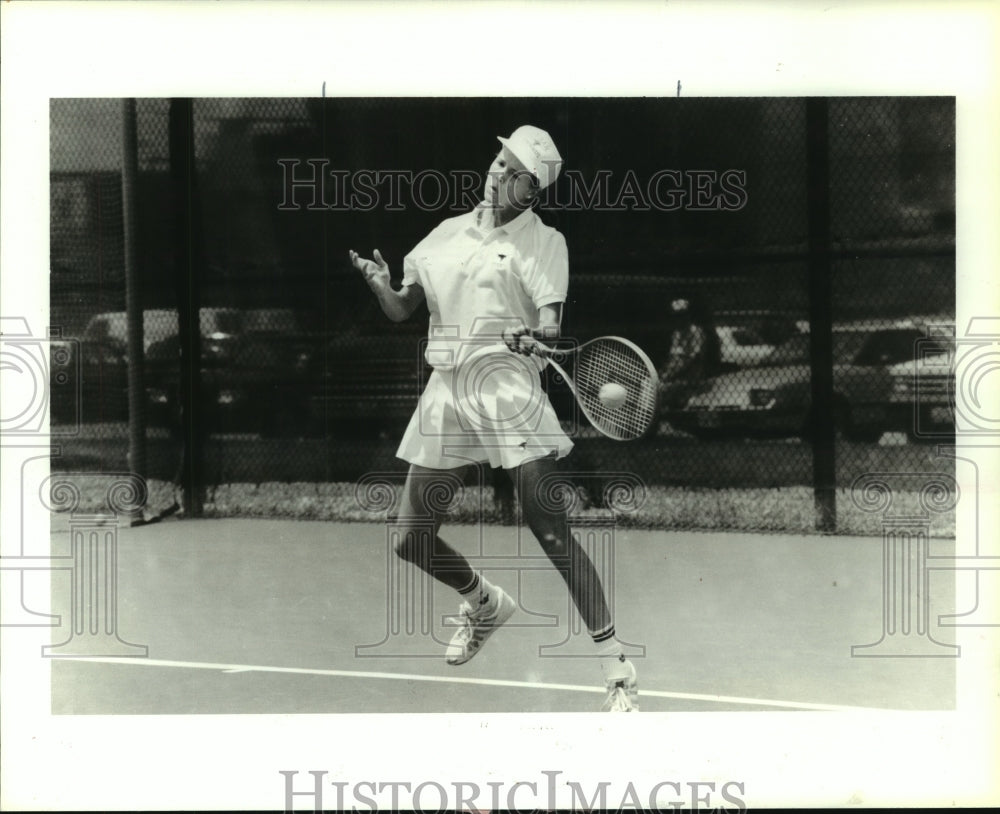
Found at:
(491, 682)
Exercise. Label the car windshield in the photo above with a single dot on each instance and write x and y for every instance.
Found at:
(220, 320)
(860, 347)
(277, 320)
(113, 327)
(746, 337)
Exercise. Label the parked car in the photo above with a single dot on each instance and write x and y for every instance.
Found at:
(774, 398)
(159, 325)
(266, 385)
(749, 337)
(103, 360)
(98, 391)
(924, 386)
(112, 327)
(255, 374)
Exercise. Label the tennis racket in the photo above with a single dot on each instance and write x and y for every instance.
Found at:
(610, 360)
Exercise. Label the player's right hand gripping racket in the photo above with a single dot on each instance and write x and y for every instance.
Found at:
(611, 360)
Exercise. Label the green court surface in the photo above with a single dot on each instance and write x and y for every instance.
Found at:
(269, 616)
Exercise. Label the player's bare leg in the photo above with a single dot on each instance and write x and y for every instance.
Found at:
(485, 606)
(552, 532)
(550, 529)
(414, 545)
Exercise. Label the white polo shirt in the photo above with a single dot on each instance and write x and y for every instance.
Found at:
(479, 280)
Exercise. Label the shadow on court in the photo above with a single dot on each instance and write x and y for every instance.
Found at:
(262, 616)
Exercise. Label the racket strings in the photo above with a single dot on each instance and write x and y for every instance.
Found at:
(609, 361)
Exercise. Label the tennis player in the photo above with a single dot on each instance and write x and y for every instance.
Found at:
(494, 280)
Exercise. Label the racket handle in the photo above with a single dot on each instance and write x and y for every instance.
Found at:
(543, 350)
(539, 348)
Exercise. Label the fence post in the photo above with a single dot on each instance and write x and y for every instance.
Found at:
(133, 298)
(820, 314)
(187, 282)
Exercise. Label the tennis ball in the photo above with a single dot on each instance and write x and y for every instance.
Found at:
(612, 395)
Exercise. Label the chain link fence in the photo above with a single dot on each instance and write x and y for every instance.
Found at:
(688, 226)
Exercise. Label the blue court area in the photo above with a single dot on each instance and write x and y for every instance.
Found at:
(267, 616)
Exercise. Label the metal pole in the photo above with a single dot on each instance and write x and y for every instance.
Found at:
(820, 313)
(187, 282)
(133, 297)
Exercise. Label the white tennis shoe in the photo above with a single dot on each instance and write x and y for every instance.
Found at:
(476, 627)
(623, 688)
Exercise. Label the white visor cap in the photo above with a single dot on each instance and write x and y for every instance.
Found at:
(535, 149)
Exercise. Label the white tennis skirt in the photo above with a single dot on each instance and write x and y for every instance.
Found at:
(490, 408)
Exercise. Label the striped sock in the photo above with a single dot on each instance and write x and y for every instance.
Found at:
(605, 639)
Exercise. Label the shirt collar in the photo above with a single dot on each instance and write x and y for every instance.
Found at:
(510, 227)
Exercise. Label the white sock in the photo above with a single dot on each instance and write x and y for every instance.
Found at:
(612, 659)
(609, 650)
(481, 595)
